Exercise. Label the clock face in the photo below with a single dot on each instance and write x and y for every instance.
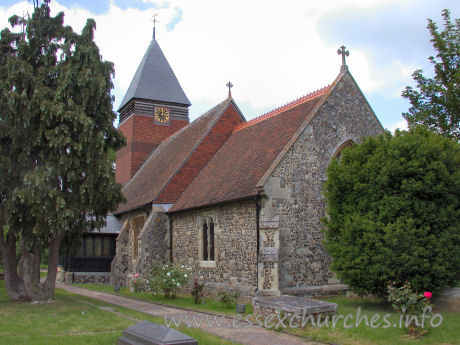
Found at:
(161, 114)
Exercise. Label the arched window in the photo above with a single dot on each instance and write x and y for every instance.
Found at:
(205, 240)
(211, 240)
(338, 152)
(208, 239)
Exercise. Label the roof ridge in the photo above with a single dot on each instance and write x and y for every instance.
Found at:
(282, 108)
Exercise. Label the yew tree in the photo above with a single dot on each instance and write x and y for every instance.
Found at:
(393, 205)
(56, 135)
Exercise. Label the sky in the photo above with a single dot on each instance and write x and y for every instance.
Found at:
(272, 51)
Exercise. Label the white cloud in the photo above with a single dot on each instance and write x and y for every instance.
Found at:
(272, 52)
(402, 125)
(20, 8)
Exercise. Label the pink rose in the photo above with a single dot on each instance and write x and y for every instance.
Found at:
(428, 294)
(136, 275)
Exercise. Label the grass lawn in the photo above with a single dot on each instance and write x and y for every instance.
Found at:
(447, 333)
(74, 319)
(184, 301)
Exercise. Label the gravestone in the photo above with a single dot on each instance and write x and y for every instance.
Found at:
(149, 333)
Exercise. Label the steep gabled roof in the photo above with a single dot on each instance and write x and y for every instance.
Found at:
(216, 137)
(235, 170)
(161, 167)
(155, 80)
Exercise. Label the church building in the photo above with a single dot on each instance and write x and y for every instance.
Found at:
(238, 201)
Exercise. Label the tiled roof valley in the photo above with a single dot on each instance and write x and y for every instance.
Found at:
(167, 160)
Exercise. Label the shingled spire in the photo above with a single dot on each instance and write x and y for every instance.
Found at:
(155, 80)
(154, 108)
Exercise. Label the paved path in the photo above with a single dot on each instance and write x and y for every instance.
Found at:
(250, 335)
(447, 300)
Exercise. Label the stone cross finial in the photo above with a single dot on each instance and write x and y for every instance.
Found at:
(154, 23)
(344, 53)
(229, 85)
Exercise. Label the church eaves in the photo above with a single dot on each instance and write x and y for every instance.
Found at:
(155, 80)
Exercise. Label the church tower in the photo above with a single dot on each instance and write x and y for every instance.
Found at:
(154, 108)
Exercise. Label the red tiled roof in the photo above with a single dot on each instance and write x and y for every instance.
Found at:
(236, 168)
(168, 158)
(285, 107)
(207, 148)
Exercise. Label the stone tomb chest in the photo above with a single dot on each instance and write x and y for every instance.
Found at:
(292, 305)
(149, 333)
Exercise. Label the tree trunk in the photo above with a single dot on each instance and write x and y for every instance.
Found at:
(36, 250)
(27, 269)
(22, 280)
(14, 284)
(53, 256)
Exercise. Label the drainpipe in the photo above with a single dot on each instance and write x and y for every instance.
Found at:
(256, 199)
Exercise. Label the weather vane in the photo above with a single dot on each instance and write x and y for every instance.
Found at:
(344, 53)
(229, 85)
(154, 23)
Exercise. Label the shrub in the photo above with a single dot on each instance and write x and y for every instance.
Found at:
(405, 300)
(197, 292)
(394, 212)
(236, 295)
(137, 283)
(410, 303)
(228, 298)
(168, 278)
(225, 298)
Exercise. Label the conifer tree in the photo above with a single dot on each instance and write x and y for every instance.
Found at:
(56, 135)
(393, 205)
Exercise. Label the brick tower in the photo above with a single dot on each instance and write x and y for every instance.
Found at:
(154, 108)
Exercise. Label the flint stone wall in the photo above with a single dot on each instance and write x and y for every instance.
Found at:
(235, 242)
(86, 277)
(153, 243)
(344, 116)
(120, 263)
(143, 242)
